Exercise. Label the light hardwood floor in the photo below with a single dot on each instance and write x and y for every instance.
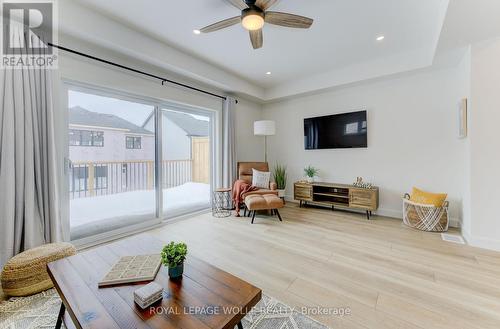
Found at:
(389, 276)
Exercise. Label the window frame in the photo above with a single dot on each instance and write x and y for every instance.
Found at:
(134, 142)
(93, 134)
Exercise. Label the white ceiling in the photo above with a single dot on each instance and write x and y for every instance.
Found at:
(342, 36)
(468, 22)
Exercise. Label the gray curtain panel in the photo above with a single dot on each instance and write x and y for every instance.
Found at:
(29, 200)
(229, 173)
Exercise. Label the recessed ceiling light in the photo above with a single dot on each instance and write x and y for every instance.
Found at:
(380, 38)
(196, 31)
(268, 73)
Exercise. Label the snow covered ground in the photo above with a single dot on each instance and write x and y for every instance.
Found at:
(99, 214)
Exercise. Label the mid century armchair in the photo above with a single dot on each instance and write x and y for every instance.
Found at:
(245, 173)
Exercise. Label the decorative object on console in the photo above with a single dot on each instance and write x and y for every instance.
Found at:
(173, 256)
(130, 269)
(261, 179)
(359, 183)
(147, 295)
(341, 195)
(462, 119)
(264, 128)
(310, 173)
(280, 177)
(425, 216)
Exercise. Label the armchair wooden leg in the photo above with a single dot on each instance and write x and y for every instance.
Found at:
(253, 216)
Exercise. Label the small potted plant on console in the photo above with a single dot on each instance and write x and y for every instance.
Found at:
(173, 256)
(310, 173)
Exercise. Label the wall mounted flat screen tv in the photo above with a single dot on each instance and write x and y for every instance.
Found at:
(346, 130)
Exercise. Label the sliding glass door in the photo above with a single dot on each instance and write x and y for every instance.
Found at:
(134, 162)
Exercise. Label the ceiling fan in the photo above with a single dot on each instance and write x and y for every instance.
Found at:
(254, 14)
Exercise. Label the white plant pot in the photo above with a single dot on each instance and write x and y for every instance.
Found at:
(310, 179)
(281, 193)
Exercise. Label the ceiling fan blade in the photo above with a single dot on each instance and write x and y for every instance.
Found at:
(288, 20)
(257, 39)
(240, 4)
(265, 4)
(221, 25)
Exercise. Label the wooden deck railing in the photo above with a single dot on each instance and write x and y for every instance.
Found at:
(95, 178)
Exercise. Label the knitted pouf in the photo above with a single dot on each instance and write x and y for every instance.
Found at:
(26, 273)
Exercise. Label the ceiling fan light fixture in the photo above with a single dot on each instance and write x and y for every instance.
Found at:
(252, 20)
(254, 15)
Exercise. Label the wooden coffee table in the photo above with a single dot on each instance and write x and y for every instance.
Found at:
(205, 297)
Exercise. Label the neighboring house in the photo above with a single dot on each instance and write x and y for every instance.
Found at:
(109, 154)
(105, 137)
(179, 129)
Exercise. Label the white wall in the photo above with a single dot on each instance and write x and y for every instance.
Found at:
(412, 136)
(248, 146)
(485, 145)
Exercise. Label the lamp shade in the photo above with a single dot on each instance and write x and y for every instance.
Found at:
(264, 128)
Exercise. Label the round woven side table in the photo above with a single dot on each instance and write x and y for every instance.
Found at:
(222, 203)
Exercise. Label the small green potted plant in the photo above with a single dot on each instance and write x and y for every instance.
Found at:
(173, 256)
(280, 177)
(310, 173)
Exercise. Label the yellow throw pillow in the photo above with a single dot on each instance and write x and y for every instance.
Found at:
(436, 199)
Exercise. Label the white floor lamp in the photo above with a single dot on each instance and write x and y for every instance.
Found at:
(264, 128)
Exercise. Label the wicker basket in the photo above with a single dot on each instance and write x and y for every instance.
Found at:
(425, 217)
(26, 273)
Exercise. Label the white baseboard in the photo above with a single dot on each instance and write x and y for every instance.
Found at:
(393, 213)
(481, 242)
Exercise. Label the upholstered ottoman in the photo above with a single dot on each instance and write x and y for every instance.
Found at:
(26, 273)
(263, 202)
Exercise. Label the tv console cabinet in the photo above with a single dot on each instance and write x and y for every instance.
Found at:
(340, 195)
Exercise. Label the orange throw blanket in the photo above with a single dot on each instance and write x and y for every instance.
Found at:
(240, 187)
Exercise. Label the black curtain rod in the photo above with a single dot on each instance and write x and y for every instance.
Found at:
(163, 80)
